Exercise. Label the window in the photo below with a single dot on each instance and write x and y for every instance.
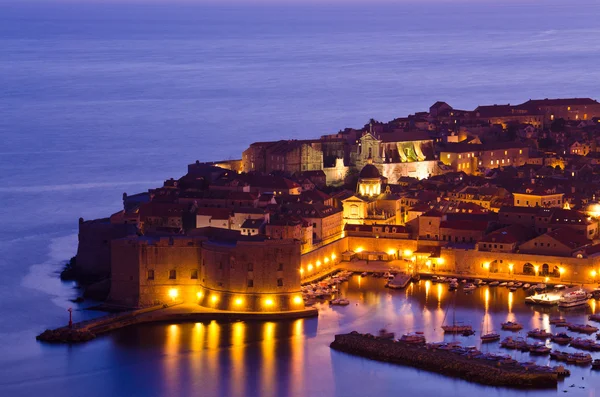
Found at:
(172, 274)
(150, 274)
(280, 282)
(194, 275)
(250, 283)
(280, 267)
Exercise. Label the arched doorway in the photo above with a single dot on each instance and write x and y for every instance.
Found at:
(555, 271)
(494, 267)
(545, 269)
(528, 269)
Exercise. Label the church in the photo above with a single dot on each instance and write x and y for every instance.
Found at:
(368, 205)
(398, 154)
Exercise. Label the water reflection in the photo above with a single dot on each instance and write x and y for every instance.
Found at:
(237, 358)
(293, 357)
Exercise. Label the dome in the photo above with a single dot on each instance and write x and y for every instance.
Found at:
(369, 171)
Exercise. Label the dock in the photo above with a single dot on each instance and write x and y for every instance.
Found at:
(471, 368)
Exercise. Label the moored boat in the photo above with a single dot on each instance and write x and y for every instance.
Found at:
(573, 298)
(469, 287)
(503, 284)
(585, 344)
(561, 338)
(414, 338)
(526, 285)
(512, 326)
(456, 328)
(596, 364)
(490, 337)
(539, 349)
(558, 321)
(594, 317)
(539, 334)
(494, 283)
(583, 328)
(384, 334)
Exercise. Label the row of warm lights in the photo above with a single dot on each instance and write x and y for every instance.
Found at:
(318, 264)
(174, 293)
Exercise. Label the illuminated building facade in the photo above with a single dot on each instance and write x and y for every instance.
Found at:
(217, 269)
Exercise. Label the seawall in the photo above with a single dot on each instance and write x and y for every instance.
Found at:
(486, 372)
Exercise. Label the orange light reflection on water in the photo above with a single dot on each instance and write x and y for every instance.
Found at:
(297, 361)
(268, 356)
(238, 336)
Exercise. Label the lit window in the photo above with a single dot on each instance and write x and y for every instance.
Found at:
(520, 151)
(506, 152)
(460, 156)
(448, 156)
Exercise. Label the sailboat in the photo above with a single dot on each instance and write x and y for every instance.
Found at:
(456, 328)
(489, 336)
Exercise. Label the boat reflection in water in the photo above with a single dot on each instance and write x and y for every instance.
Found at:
(293, 358)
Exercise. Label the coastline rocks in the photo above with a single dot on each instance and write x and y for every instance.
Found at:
(65, 335)
(470, 369)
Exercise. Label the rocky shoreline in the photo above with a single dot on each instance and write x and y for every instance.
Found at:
(65, 335)
(443, 362)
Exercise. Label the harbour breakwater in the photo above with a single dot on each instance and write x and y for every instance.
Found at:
(487, 372)
(175, 313)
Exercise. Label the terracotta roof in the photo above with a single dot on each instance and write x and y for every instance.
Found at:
(162, 209)
(567, 237)
(214, 213)
(252, 223)
(559, 102)
(433, 214)
(464, 225)
(316, 210)
(508, 235)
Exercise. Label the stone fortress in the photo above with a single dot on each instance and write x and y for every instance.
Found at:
(443, 191)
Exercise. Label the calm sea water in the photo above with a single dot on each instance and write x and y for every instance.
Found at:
(96, 100)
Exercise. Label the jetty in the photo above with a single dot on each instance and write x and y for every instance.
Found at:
(175, 313)
(455, 363)
(399, 281)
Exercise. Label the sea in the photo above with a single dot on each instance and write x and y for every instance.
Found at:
(100, 98)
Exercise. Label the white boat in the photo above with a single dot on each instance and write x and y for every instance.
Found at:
(469, 287)
(573, 298)
(540, 287)
(526, 285)
(503, 284)
(453, 286)
(364, 274)
(560, 286)
(518, 285)
(494, 283)
(463, 281)
(477, 281)
(510, 284)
